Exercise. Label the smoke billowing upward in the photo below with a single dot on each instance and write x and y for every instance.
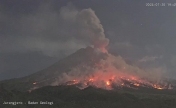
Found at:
(87, 24)
(68, 30)
(55, 32)
(55, 29)
(110, 69)
(93, 29)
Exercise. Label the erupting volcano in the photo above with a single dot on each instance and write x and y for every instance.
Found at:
(92, 67)
(109, 72)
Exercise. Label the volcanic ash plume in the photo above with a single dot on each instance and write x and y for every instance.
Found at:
(92, 28)
(104, 70)
(86, 26)
(108, 71)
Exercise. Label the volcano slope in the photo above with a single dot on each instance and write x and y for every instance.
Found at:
(84, 56)
(90, 67)
(86, 80)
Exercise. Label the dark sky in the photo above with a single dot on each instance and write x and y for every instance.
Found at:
(36, 33)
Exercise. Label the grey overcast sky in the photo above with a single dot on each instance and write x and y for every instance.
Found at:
(36, 33)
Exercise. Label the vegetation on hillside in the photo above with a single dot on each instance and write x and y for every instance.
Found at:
(72, 97)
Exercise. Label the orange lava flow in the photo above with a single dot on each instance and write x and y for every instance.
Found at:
(108, 83)
(136, 84)
(121, 81)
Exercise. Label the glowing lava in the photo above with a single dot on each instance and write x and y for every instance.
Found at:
(34, 83)
(120, 81)
(157, 87)
(108, 73)
(108, 83)
(136, 84)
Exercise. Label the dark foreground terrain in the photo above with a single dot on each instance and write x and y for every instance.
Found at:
(72, 97)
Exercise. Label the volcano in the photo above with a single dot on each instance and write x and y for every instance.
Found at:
(85, 56)
(89, 67)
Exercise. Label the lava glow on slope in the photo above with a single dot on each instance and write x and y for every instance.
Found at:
(110, 73)
(120, 82)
